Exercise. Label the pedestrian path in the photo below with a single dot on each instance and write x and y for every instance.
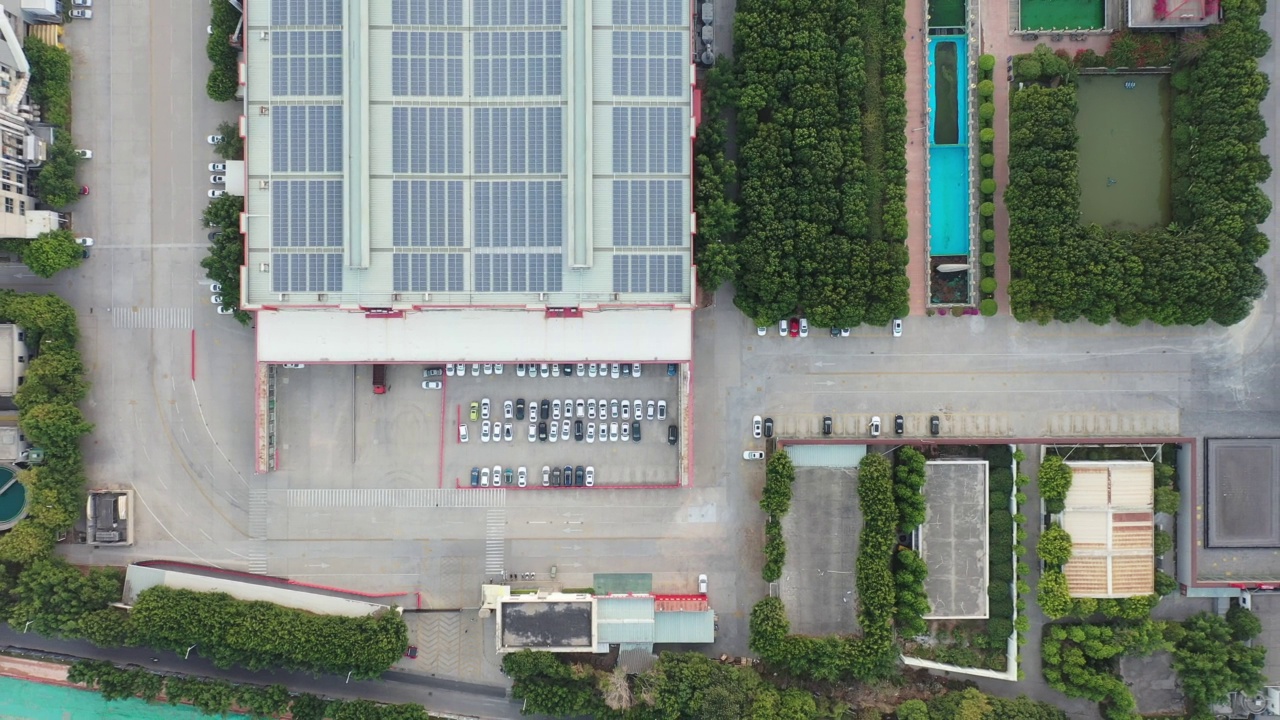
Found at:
(150, 318)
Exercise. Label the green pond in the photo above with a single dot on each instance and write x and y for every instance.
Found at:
(13, 499)
(23, 700)
(1123, 124)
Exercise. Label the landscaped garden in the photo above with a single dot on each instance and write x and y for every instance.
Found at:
(1201, 266)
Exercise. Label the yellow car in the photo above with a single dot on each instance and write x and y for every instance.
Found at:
(475, 411)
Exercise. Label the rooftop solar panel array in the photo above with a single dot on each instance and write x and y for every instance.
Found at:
(650, 139)
(426, 12)
(514, 64)
(650, 12)
(426, 64)
(426, 213)
(649, 63)
(427, 272)
(518, 214)
(306, 213)
(306, 138)
(306, 12)
(306, 272)
(306, 62)
(517, 272)
(517, 12)
(648, 273)
(518, 140)
(649, 213)
(426, 140)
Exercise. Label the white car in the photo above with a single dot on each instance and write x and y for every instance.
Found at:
(449, 370)
(637, 410)
(484, 409)
(488, 368)
(591, 432)
(461, 370)
(625, 433)
(564, 430)
(554, 431)
(225, 311)
(897, 328)
(216, 299)
(88, 242)
(757, 426)
(555, 409)
(81, 14)
(484, 431)
(555, 369)
(432, 385)
(86, 154)
(462, 433)
(218, 179)
(582, 370)
(213, 167)
(519, 369)
(662, 409)
(613, 408)
(591, 476)
(591, 409)
(804, 327)
(217, 193)
(522, 476)
(546, 476)
(626, 410)
(533, 432)
(484, 477)
(214, 139)
(875, 426)
(635, 369)
(702, 584)
(497, 475)
(497, 369)
(649, 410)
(591, 370)
(782, 327)
(508, 409)
(846, 332)
(762, 330)
(602, 369)
(293, 366)
(615, 371)
(580, 408)
(544, 370)
(602, 410)
(475, 369)
(506, 433)
(753, 455)
(613, 432)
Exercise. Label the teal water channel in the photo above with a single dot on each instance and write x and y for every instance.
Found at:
(13, 496)
(25, 700)
(949, 177)
(1124, 153)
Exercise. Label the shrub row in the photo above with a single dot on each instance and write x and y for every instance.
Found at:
(1200, 267)
(821, 121)
(775, 500)
(218, 697)
(715, 175)
(910, 571)
(55, 183)
(226, 252)
(1054, 482)
(1004, 543)
(908, 488)
(224, 76)
(987, 185)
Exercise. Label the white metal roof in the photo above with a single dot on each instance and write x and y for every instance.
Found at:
(139, 578)
(474, 335)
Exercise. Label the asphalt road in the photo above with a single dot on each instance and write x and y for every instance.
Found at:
(443, 696)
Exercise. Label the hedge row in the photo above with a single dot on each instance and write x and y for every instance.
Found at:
(779, 474)
(1202, 266)
(224, 76)
(1004, 543)
(987, 185)
(908, 488)
(910, 571)
(218, 697)
(715, 174)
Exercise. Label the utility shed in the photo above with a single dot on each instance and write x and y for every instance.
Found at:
(953, 538)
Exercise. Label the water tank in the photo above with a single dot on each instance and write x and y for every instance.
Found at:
(707, 58)
(706, 13)
(706, 34)
(1273, 700)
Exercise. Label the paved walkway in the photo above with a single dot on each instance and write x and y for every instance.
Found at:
(997, 41)
(917, 154)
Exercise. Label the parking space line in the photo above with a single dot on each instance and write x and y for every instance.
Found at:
(396, 498)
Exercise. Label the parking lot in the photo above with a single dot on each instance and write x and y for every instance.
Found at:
(618, 461)
(821, 531)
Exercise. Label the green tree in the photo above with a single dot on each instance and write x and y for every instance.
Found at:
(224, 213)
(53, 376)
(1053, 595)
(1055, 481)
(779, 474)
(1211, 663)
(1054, 546)
(56, 184)
(908, 485)
(52, 251)
(54, 426)
(1244, 624)
(232, 145)
(50, 86)
(55, 596)
(1167, 500)
(913, 710)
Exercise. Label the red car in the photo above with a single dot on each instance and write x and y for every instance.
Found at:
(794, 327)
(84, 189)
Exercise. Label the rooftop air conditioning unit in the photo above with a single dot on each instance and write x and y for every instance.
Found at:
(264, 267)
(264, 35)
(542, 296)
(264, 184)
(264, 110)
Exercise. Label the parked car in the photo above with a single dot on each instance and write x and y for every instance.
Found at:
(875, 426)
(412, 651)
(432, 372)
(88, 242)
(86, 154)
(793, 328)
(522, 476)
(702, 584)
(671, 369)
(662, 409)
(635, 431)
(635, 369)
(519, 369)
(475, 411)
(577, 430)
(762, 330)
(222, 310)
(546, 476)
(484, 477)
(218, 179)
(462, 433)
(545, 408)
(507, 435)
(484, 408)
(935, 425)
(293, 366)
(615, 371)
(768, 427)
(508, 409)
(804, 327)
(432, 385)
(213, 287)
(542, 431)
(215, 167)
(215, 139)
(556, 477)
(216, 299)
(212, 193)
(484, 431)
(649, 409)
(752, 455)
(835, 332)
(568, 476)
(475, 477)
(613, 432)
(533, 432)
(591, 476)
(624, 431)
(898, 424)
(757, 427)
(84, 189)
(520, 409)
(782, 327)
(826, 425)
(580, 476)
(897, 328)
(80, 14)
(673, 434)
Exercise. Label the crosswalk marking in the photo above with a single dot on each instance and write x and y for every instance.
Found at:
(391, 498)
(150, 318)
(495, 541)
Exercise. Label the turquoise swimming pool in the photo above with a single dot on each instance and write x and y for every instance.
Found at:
(949, 166)
(24, 700)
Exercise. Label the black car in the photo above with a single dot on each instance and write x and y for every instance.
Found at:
(626, 369)
(545, 410)
(520, 409)
(935, 425)
(835, 332)
(580, 476)
(897, 424)
(635, 431)
(475, 477)
(568, 476)
(555, 477)
(542, 430)
(826, 425)
(213, 236)
(671, 369)
(566, 370)
(673, 434)
(577, 430)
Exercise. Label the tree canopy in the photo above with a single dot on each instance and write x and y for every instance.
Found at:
(51, 252)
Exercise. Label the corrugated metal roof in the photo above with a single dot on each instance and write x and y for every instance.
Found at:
(685, 627)
(838, 456)
(1111, 519)
(624, 608)
(624, 619)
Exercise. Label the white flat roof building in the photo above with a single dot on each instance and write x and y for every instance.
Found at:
(424, 156)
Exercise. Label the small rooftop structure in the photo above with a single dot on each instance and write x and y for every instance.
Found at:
(1109, 512)
(1244, 493)
(953, 538)
(554, 622)
(1173, 14)
(13, 358)
(108, 513)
